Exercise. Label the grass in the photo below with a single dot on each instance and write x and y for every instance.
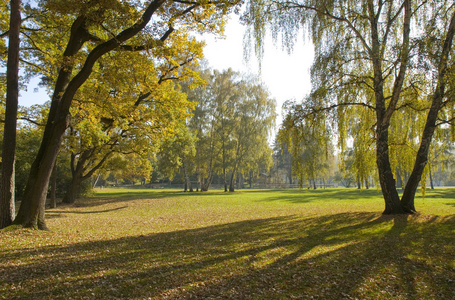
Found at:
(274, 244)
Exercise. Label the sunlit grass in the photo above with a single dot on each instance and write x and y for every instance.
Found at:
(253, 244)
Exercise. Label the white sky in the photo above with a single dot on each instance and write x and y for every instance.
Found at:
(286, 76)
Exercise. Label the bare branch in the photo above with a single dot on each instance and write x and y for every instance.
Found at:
(32, 121)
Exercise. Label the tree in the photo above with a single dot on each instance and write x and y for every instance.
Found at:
(231, 121)
(147, 108)
(225, 94)
(205, 125)
(282, 163)
(97, 28)
(309, 142)
(367, 56)
(7, 205)
(177, 152)
(253, 118)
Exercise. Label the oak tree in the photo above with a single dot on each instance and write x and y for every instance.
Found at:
(97, 28)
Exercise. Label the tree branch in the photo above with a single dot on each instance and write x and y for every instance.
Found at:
(404, 58)
(310, 111)
(149, 46)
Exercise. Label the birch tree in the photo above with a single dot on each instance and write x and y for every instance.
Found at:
(371, 54)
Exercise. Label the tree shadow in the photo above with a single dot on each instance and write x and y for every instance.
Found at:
(140, 194)
(348, 255)
(305, 196)
(440, 193)
(56, 213)
(288, 195)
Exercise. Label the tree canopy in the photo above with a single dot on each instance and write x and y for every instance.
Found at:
(69, 44)
(391, 57)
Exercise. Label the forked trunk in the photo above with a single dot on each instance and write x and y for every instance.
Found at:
(386, 180)
(207, 182)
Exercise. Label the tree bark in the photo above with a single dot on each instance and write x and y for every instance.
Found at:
(207, 182)
(384, 113)
(407, 200)
(386, 180)
(73, 190)
(188, 187)
(232, 180)
(53, 200)
(224, 167)
(7, 184)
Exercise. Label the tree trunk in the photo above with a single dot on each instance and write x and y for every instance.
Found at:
(198, 184)
(31, 211)
(53, 203)
(407, 200)
(73, 190)
(240, 181)
(289, 169)
(188, 186)
(386, 180)
(232, 181)
(96, 180)
(431, 177)
(225, 181)
(7, 184)
(384, 113)
(206, 185)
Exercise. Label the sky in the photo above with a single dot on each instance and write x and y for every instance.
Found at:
(287, 77)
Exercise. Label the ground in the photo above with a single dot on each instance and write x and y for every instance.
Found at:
(255, 244)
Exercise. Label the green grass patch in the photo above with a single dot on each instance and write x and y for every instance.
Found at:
(254, 244)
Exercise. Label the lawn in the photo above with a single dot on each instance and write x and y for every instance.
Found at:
(254, 244)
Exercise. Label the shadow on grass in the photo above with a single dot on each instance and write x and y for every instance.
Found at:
(125, 195)
(447, 193)
(88, 212)
(305, 195)
(357, 255)
(287, 195)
